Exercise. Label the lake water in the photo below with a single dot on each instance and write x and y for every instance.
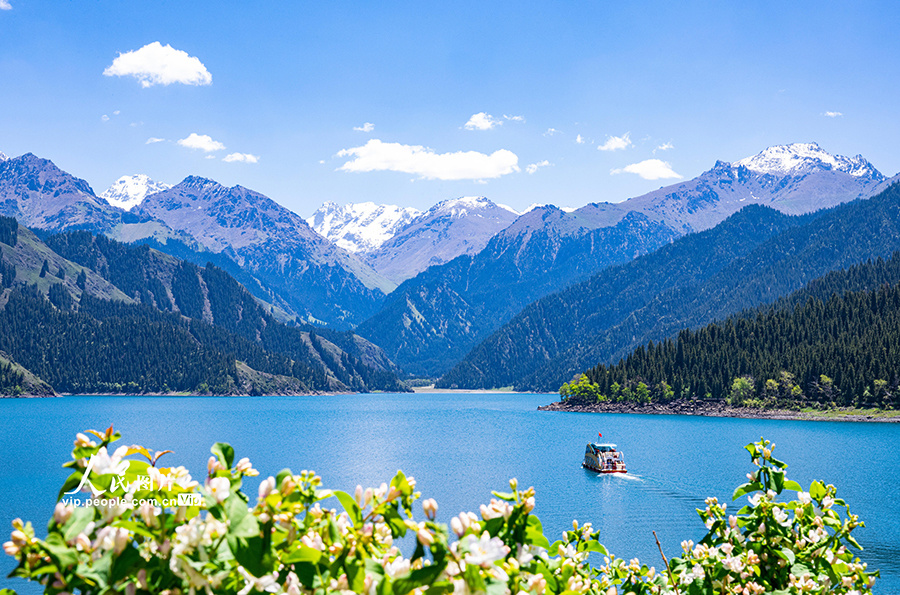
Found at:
(460, 447)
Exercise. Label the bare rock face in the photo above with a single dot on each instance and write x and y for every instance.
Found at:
(42, 196)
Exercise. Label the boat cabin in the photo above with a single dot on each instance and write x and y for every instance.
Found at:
(604, 458)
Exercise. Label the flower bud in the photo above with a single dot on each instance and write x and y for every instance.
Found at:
(430, 507)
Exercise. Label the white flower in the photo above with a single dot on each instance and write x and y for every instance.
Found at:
(396, 567)
(62, 512)
(484, 551)
(266, 583)
(804, 498)
(220, 488)
(246, 468)
(781, 517)
(754, 499)
(110, 465)
(827, 502)
(266, 487)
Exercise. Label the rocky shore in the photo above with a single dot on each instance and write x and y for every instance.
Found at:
(721, 409)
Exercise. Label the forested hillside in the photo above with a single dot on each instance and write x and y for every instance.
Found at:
(747, 260)
(432, 320)
(827, 344)
(115, 318)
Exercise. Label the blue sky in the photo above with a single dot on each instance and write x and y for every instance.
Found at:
(667, 88)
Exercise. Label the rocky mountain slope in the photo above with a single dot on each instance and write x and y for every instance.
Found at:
(448, 229)
(313, 275)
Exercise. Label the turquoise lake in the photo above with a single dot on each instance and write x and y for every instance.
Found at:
(459, 447)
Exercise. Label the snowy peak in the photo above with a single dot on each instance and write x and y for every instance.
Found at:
(129, 191)
(361, 227)
(804, 158)
(465, 206)
(3, 156)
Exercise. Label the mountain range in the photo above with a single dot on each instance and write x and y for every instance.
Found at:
(86, 313)
(435, 318)
(754, 257)
(466, 267)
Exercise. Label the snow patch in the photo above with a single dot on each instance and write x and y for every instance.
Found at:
(129, 191)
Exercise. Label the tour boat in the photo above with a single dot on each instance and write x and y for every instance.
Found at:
(603, 458)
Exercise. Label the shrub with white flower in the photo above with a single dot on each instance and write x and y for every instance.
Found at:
(291, 541)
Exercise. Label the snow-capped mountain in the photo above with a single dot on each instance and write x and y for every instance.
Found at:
(128, 191)
(794, 179)
(361, 227)
(440, 234)
(3, 156)
(805, 158)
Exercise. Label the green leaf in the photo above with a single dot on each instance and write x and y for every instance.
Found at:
(786, 554)
(62, 554)
(123, 563)
(240, 522)
(224, 452)
(508, 496)
(751, 448)
(250, 554)
(7, 592)
(77, 522)
(398, 527)
(790, 484)
(534, 533)
(418, 578)
(350, 505)
(70, 484)
(744, 489)
(778, 480)
(596, 546)
(817, 490)
(304, 553)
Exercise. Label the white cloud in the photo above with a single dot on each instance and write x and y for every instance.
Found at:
(104, 118)
(210, 157)
(482, 121)
(154, 139)
(117, 112)
(157, 64)
(514, 118)
(834, 114)
(245, 157)
(649, 169)
(664, 147)
(5, 5)
(579, 139)
(367, 127)
(616, 143)
(551, 132)
(202, 142)
(533, 167)
(424, 162)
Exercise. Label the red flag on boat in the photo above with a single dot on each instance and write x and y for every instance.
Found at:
(599, 434)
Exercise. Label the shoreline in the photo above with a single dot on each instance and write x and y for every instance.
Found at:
(720, 409)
